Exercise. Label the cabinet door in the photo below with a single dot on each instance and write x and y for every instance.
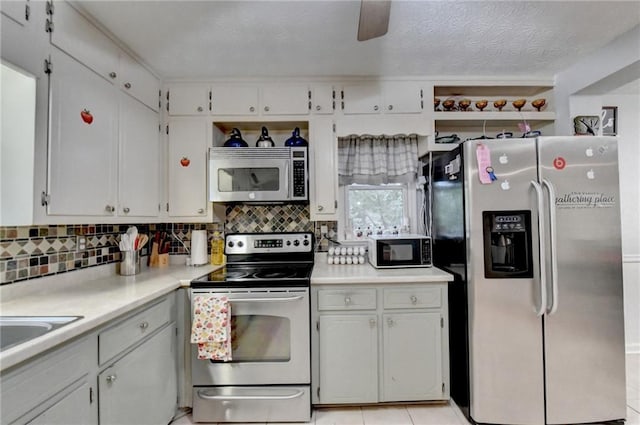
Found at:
(83, 140)
(80, 39)
(138, 82)
(323, 169)
(416, 373)
(348, 358)
(185, 99)
(402, 98)
(18, 10)
(74, 408)
(234, 100)
(188, 167)
(139, 181)
(322, 99)
(285, 100)
(361, 99)
(141, 388)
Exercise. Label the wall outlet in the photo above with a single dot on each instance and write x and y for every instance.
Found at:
(323, 229)
(81, 243)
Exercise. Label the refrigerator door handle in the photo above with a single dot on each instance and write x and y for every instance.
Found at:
(551, 191)
(543, 270)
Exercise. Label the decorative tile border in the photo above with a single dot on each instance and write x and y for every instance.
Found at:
(29, 252)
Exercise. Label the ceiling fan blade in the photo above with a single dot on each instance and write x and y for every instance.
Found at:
(374, 19)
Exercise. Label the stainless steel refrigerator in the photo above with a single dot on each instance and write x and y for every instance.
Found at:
(531, 230)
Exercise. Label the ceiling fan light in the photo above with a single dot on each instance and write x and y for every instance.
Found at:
(374, 19)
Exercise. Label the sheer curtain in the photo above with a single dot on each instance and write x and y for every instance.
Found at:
(383, 159)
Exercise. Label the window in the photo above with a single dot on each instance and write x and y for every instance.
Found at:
(383, 207)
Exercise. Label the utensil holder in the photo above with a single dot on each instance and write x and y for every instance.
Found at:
(129, 263)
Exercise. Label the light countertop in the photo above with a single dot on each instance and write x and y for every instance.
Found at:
(328, 274)
(96, 293)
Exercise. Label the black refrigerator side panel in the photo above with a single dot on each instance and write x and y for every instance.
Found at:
(449, 253)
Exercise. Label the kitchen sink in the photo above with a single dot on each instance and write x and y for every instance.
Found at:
(15, 330)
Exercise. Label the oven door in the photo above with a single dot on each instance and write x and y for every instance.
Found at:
(270, 339)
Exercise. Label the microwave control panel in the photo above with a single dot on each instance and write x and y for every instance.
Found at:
(299, 181)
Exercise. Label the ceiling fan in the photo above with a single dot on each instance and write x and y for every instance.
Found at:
(374, 19)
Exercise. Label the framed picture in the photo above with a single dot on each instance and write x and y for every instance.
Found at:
(609, 120)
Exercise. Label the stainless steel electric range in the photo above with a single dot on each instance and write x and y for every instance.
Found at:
(266, 279)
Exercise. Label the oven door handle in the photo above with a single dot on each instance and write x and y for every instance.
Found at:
(261, 300)
(204, 395)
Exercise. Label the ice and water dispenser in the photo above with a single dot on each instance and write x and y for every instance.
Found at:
(507, 244)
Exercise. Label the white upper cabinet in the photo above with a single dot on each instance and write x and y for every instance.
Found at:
(19, 11)
(364, 98)
(391, 97)
(76, 36)
(188, 167)
(285, 100)
(188, 99)
(402, 97)
(323, 167)
(322, 99)
(79, 38)
(83, 142)
(234, 100)
(139, 180)
(138, 82)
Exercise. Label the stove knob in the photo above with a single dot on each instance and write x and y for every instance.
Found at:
(230, 244)
(240, 244)
(296, 242)
(288, 243)
(305, 242)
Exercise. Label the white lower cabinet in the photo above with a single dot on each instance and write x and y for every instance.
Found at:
(348, 358)
(380, 343)
(72, 409)
(141, 387)
(124, 372)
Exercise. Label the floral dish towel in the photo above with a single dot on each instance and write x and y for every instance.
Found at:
(211, 327)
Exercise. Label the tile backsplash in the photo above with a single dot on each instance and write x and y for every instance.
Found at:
(29, 252)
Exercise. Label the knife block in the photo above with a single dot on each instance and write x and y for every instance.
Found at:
(158, 260)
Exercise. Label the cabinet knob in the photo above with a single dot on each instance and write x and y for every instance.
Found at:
(390, 321)
(375, 108)
(318, 107)
(320, 208)
(113, 75)
(372, 323)
(390, 107)
(126, 210)
(252, 109)
(111, 378)
(201, 211)
(144, 325)
(266, 109)
(347, 300)
(200, 109)
(127, 85)
(109, 208)
(414, 299)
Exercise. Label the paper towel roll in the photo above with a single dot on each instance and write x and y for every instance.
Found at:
(199, 247)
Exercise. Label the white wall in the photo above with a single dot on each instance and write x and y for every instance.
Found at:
(583, 89)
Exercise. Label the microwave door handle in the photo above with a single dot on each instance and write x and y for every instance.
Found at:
(543, 269)
(286, 179)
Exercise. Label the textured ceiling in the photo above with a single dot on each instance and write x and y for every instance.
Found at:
(206, 39)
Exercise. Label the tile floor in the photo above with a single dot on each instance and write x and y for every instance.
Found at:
(437, 414)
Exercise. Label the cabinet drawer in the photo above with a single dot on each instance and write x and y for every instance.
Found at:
(412, 297)
(346, 299)
(116, 339)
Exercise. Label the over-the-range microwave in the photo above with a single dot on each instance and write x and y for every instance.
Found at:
(263, 174)
(396, 251)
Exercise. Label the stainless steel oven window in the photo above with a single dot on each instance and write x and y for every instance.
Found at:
(260, 338)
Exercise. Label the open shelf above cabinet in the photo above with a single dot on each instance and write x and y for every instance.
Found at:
(279, 131)
(492, 118)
